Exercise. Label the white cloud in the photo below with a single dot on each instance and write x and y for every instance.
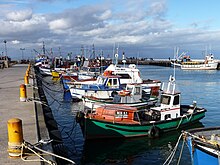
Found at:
(19, 16)
(59, 24)
(105, 15)
(143, 23)
(15, 42)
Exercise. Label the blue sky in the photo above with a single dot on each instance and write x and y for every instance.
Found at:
(147, 28)
(194, 12)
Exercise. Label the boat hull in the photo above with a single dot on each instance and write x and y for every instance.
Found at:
(94, 129)
(212, 66)
(95, 103)
(202, 155)
(45, 71)
(203, 152)
(79, 93)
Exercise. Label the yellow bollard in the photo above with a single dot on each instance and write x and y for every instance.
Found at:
(15, 137)
(23, 93)
(27, 73)
(26, 80)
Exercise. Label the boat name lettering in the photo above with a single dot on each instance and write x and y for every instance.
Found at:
(121, 114)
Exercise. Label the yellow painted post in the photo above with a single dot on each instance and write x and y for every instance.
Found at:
(15, 137)
(26, 80)
(23, 93)
(27, 73)
(29, 67)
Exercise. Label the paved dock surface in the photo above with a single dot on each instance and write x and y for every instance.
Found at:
(11, 107)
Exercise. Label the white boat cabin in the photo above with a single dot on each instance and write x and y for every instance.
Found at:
(109, 81)
(133, 93)
(128, 74)
(169, 102)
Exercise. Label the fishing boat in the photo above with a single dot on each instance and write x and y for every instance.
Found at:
(104, 87)
(131, 74)
(203, 144)
(132, 95)
(208, 64)
(42, 62)
(119, 121)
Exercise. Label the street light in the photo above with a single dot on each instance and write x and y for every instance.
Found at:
(5, 47)
(22, 53)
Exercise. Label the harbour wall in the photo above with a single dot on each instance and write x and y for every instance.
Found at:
(46, 124)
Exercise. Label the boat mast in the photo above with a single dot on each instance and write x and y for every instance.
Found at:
(116, 57)
(176, 52)
(44, 51)
(123, 59)
(113, 53)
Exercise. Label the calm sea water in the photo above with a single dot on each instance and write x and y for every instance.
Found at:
(200, 86)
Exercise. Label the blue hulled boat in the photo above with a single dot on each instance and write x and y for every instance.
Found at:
(204, 145)
(104, 87)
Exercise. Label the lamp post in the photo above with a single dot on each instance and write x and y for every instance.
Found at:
(5, 47)
(22, 53)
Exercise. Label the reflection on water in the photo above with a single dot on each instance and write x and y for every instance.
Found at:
(202, 86)
(141, 150)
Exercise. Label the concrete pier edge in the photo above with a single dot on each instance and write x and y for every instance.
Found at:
(47, 127)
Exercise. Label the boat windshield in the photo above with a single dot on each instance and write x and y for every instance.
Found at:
(137, 90)
(165, 99)
(129, 89)
(100, 80)
(94, 69)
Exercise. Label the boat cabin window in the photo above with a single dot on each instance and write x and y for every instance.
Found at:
(167, 116)
(129, 89)
(165, 99)
(100, 80)
(137, 91)
(94, 69)
(113, 82)
(84, 69)
(124, 76)
(176, 100)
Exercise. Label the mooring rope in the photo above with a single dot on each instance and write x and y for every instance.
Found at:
(170, 157)
(32, 148)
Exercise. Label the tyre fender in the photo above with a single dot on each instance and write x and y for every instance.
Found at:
(114, 93)
(154, 132)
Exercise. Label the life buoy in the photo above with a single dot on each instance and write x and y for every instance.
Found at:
(124, 93)
(154, 132)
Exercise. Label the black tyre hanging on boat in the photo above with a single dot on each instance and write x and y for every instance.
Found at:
(154, 132)
(114, 93)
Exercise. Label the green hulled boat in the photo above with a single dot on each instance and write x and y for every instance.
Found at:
(119, 121)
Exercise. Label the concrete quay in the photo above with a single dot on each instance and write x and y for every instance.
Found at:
(11, 107)
(38, 123)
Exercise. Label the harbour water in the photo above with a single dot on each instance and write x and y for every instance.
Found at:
(200, 86)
